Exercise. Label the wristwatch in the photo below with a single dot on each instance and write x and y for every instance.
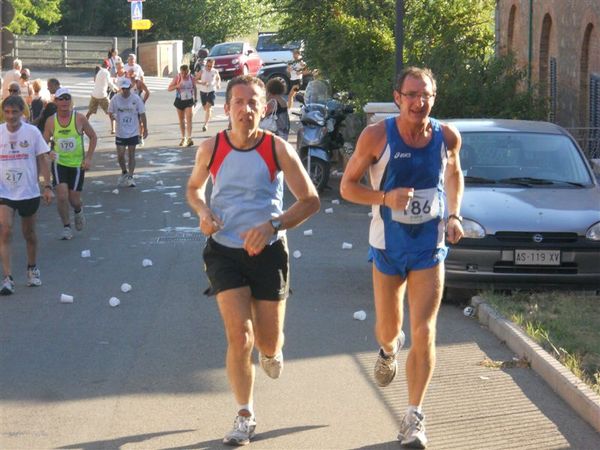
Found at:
(455, 216)
(276, 224)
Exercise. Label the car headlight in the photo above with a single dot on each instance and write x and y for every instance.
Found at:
(235, 61)
(472, 229)
(593, 232)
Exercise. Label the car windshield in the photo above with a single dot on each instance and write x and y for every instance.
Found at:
(522, 159)
(269, 43)
(317, 91)
(230, 48)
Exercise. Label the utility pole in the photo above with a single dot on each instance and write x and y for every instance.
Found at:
(399, 32)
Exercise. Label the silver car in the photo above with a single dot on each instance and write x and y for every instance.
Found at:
(531, 209)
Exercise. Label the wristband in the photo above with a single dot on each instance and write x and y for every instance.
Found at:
(383, 198)
(457, 217)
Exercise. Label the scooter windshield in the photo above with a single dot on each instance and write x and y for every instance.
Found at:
(317, 91)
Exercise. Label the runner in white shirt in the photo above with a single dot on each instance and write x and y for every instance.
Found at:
(102, 83)
(132, 65)
(209, 81)
(129, 112)
(23, 158)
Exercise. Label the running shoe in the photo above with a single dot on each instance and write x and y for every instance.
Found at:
(272, 366)
(182, 142)
(189, 142)
(387, 366)
(204, 127)
(8, 286)
(66, 234)
(123, 179)
(130, 181)
(141, 144)
(242, 431)
(79, 220)
(33, 277)
(412, 431)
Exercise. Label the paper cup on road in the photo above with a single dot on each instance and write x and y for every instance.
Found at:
(297, 254)
(335, 201)
(125, 287)
(308, 232)
(329, 211)
(115, 191)
(146, 262)
(114, 301)
(469, 311)
(86, 253)
(187, 214)
(66, 298)
(347, 246)
(360, 315)
(159, 183)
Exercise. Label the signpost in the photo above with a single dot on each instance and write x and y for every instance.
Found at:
(137, 21)
(142, 24)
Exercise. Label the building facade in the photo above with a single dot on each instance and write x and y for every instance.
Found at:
(558, 42)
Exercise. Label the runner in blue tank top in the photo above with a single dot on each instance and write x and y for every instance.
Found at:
(415, 193)
(245, 257)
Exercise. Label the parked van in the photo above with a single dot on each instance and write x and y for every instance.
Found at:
(272, 52)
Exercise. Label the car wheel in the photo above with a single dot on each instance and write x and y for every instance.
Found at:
(245, 70)
(283, 80)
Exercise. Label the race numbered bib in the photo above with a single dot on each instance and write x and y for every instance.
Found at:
(424, 206)
(12, 176)
(66, 145)
(126, 120)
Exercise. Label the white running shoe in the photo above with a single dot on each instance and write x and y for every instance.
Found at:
(33, 277)
(79, 220)
(141, 144)
(8, 286)
(242, 431)
(130, 181)
(412, 431)
(123, 179)
(67, 234)
(387, 366)
(272, 366)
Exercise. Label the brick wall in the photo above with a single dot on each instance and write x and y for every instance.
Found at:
(566, 30)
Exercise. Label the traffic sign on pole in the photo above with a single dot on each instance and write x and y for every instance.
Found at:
(143, 24)
(136, 11)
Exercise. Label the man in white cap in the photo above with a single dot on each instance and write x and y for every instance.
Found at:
(70, 161)
(129, 112)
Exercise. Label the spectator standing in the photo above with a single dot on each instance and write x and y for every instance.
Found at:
(133, 65)
(276, 103)
(209, 81)
(38, 103)
(185, 99)
(11, 76)
(129, 112)
(296, 69)
(111, 61)
(66, 129)
(22, 166)
(102, 85)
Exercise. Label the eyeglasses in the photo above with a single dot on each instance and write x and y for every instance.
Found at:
(14, 90)
(64, 97)
(414, 95)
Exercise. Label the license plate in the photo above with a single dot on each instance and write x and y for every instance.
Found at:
(537, 257)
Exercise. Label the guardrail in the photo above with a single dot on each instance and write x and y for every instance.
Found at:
(65, 51)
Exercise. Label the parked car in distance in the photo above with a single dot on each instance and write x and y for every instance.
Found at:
(235, 58)
(273, 52)
(531, 209)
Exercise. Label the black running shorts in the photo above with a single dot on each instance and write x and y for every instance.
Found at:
(207, 97)
(25, 208)
(72, 176)
(267, 274)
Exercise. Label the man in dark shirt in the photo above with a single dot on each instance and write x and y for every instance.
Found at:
(53, 86)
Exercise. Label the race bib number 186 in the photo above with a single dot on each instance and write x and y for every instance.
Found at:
(424, 206)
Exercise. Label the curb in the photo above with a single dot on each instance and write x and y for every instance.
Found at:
(570, 388)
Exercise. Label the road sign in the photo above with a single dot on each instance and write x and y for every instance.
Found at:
(133, 1)
(7, 14)
(136, 11)
(143, 24)
(8, 42)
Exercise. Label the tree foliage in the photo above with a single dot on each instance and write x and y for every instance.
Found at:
(29, 14)
(352, 42)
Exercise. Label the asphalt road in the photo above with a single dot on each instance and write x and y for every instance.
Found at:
(150, 373)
